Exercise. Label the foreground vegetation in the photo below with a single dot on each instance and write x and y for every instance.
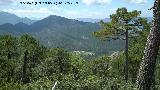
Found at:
(27, 65)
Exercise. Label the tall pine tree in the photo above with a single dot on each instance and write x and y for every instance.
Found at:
(124, 25)
(146, 72)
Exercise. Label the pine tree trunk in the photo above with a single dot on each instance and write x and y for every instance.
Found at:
(126, 54)
(24, 78)
(147, 67)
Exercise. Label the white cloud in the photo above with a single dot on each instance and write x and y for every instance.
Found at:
(141, 1)
(137, 1)
(94, 15)
(31, 13)
(102, 2)
(86, 10)
(55, 8)
(40, 10)
(72, 12)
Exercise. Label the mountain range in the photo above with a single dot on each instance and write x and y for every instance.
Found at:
(70, 34)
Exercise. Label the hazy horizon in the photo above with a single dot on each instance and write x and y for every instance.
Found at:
(95, 9)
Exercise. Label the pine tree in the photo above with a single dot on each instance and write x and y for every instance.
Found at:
(146, 72)
(123, 25)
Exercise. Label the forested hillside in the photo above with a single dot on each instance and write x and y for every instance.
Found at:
(26, 63)
(70, 34)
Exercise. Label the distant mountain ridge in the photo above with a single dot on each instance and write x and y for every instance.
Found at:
(13, 19)
(71, 34)
(105, 19)
(57, 31)
(92, 20)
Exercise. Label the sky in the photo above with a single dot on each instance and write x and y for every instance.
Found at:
(95, 9)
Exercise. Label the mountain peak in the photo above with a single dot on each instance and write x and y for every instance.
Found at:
(55, 17)
(52, 19)
(13, 19)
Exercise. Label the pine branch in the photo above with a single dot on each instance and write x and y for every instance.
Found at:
(115, 38)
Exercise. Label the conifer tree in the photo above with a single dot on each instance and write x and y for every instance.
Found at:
(123, 25)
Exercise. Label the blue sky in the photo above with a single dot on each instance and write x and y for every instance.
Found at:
(96, 9)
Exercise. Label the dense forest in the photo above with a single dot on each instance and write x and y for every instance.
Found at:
(26, 64)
